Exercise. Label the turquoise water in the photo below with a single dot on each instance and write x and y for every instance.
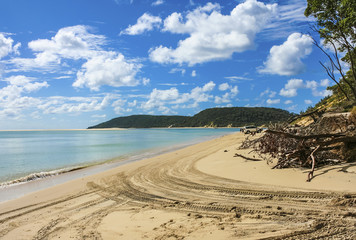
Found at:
(35, 154)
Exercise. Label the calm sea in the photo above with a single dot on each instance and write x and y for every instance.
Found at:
(28, 155)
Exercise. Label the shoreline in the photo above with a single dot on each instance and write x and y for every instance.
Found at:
(38, 181)
(200, 191)
(110, 129)
(49, 130)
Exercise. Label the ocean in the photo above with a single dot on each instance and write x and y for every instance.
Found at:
(30, 155)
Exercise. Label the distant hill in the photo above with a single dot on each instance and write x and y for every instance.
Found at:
(212, 117)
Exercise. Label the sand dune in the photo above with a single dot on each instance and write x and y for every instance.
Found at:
(199, 192)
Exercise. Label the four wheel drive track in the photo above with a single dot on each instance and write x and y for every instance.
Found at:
(180, 187)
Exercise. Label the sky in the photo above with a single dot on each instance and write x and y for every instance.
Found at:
(68, 64)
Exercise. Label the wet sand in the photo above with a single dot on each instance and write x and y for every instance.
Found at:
(199, 192)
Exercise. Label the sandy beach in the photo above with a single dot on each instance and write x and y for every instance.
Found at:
(199, 192)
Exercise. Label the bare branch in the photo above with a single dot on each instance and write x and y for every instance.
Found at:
(247, 158)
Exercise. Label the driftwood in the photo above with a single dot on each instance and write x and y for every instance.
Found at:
(247, 158)
(314, 115)
(321, 143)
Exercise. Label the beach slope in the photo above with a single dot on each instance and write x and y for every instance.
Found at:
(199, 192)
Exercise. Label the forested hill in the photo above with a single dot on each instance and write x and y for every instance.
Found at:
(212, 117)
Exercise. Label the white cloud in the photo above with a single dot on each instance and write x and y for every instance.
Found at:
(77, 43)
(309, 102)
(223, 99)
(175, 70)
(98, 116)
(12, 99)
(224, 86)
(6, 46)
(112, 70)
(162, 99)
(292, 108)
(228, 96)
(286, 59)
(290, 89)
(73, 42)
(194, 73)
(132, 104)
(157, 2)
(234, 90)
(119, 106)
(146, 81)
(74, 105)
(324, 82)
(144, 23)
(269, 93)
(158, 98)
(19, 84)
(288, 19)
(313, 85)
(292, 12)
(212, 35)
(273, 101)
(209, 86)
(235, 78)
(288, 102)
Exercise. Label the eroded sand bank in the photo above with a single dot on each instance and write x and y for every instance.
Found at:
(199, 192)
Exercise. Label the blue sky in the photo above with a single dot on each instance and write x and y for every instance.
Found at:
(73, 64)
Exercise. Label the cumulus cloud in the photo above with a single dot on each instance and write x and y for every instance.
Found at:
(73, 42)
(103, 70)
(224, 86)
(307, 101)
(269, 93)
(158, 99)
(13, 99)
(20, 84)
(144, 23)
(228, 96)
(7, 47)
(70, 42)
(313, 85)
(119, 106)
(325, 82)
(286, 59)
(76, 43)
(162, 99)
(290, 89)
(212, 35)
(146, 81)
(273, 101)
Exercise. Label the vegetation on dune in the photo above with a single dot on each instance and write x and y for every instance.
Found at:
(212, 117)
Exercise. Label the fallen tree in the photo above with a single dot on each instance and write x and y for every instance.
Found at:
(329, 140)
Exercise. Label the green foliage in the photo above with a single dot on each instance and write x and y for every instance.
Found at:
(217, 117)
(142, 121)
(336, 25)
(336, 20)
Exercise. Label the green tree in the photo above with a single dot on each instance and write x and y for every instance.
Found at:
(336, 25)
